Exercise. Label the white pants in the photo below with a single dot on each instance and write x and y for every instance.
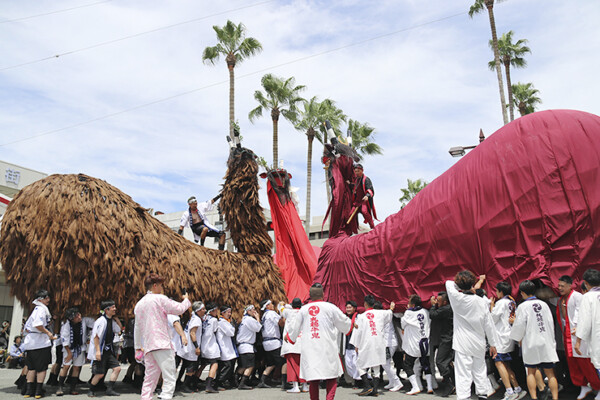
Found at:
(158, 361)
(389, 368)
(350, 359)
(467, 370)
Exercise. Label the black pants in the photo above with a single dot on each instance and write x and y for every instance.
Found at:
(409, 364)
(444, 357)
(226, 370)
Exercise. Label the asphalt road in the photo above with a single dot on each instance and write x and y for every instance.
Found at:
(8, 391)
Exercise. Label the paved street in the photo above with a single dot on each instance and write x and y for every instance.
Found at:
(8, 391)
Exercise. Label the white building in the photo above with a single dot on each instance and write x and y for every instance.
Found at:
(13, 179)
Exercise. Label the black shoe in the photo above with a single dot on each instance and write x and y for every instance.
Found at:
(263, 384)
(110, 389)
(375, 387)
(93, 389)
(544, 394)
(39, 390)
(209, 386)
(28, 390)
(243, 386)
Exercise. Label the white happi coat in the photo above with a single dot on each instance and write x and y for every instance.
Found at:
(98, 330)
(416, 325)
(502, 311)
(87, 324)
(534, 328)
(370, 338)
(573, 302)
(588, 325)
(225, 338)
(246, 336)
(203, 208)
(189, 352)
(319, 322)
(270, 330)
(290, 316)
(34, 339)
(210, 347)
(472, 322)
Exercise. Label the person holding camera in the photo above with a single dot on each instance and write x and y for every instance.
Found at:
(152, 337)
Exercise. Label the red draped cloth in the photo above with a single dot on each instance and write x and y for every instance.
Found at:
(525, 204)
(294, 254)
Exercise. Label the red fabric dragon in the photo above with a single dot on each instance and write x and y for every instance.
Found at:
(525, 204)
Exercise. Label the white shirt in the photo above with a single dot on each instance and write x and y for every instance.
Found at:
(502, 311)
(416, 325)
(534, 328)
(203, 208)
(319, 323)
(472, 322)
(34, 339)
(189, 352)
(588, 325)
(270, 330)
(370, 338)
(175, 338)
(288, 348)
(225, 338)
(210, 347)
(98, 331)
(246, 336)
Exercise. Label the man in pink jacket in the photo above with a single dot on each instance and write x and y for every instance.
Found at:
(151, 336)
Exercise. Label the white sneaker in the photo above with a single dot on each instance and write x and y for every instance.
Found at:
(585, 390)
(294, 390)
(597, 396)
(507, 396)
(389, 385)
(520, 394)
(305, 387)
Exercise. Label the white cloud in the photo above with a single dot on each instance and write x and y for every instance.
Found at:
(424, 90)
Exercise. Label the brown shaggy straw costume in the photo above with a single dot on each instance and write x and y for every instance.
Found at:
(84, 241)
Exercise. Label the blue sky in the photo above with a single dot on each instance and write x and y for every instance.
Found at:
(424, 89)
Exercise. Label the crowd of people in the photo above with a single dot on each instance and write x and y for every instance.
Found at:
(535, 343)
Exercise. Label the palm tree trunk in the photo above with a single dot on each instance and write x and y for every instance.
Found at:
(231, 100)
(275, 148)
(511, 106)
(310, 136)
(490, 5)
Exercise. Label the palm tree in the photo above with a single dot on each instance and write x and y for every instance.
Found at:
(362, 138)
(310, 120)
(411, 191)
(281, 97)
(477, 8)
(235, 47)
(526, 97)
(511, 55)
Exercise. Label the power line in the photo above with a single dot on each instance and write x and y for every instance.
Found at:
(53, 12)
(133, 36)
(237, 77)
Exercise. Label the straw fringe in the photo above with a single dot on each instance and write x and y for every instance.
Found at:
(84, 241)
